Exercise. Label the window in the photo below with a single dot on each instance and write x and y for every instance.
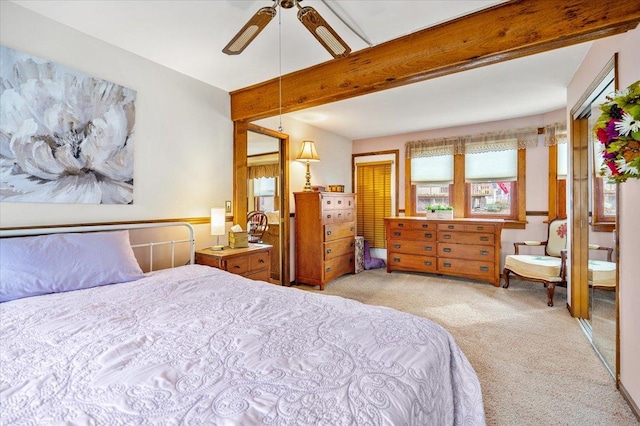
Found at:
(555, 136)
(479, 176)
(373, 198)
(490, 191)
(431, 180)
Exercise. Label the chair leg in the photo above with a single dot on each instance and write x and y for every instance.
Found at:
(505, 273)
(550, 289)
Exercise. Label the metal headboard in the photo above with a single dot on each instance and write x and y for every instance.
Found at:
(5, 233)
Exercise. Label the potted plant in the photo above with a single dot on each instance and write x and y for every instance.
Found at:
(437, 211)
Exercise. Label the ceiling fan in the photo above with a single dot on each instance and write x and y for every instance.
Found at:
(307, 15)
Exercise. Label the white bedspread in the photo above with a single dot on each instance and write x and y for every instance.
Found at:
(198, 346)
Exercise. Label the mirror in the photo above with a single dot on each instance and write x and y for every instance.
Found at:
(596, 253)
(265, 189)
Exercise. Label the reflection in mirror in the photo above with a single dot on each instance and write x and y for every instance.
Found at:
(264, 191)
(600, 322)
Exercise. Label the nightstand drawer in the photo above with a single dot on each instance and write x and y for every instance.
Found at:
(258, 261)
(238, 265)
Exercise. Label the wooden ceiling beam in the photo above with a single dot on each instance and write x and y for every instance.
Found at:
(507, 31)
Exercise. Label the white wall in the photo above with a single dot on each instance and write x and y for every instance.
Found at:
(626, 45)
(183, 133)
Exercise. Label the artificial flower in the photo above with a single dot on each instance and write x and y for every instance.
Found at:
(618, 130)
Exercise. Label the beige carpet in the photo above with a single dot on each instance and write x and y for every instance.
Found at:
(535, 364)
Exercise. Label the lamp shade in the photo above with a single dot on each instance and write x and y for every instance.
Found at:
(218, 221)
(308, 152)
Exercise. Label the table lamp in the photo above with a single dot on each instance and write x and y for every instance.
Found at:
(218, 225)
(308, 153)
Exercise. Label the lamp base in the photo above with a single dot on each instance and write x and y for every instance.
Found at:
(216, 248)
(307, 185)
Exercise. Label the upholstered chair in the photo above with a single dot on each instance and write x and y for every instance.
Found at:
(548, 268)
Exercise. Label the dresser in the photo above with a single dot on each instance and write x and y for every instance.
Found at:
(253, 262)
(325, 232)
(468, 248)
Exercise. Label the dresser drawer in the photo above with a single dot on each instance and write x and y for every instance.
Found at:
(335, 216)
(411, 224)
(337, 202)
(339, 248)
(412, 234)
(467, 227)
(467, 251)
(466, 237)
(464, 267)
(338, 266)
(411, 262)
(335, 231)
(413, 247)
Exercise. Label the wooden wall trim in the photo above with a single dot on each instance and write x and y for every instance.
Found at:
(506, 31)
(190, 220)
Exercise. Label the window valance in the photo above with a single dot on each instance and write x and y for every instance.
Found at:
(263, 170)
(501, 140)
(555, 133)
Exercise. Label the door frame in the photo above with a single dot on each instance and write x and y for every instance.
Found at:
(240, 200)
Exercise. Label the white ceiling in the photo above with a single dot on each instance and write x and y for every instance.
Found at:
(188, 36)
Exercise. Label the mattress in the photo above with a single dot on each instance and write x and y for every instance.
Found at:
(196, 345)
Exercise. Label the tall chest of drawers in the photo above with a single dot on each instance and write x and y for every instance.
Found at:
(324, 236)
(468, 248)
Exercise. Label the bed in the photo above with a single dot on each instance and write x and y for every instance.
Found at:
(195, 345)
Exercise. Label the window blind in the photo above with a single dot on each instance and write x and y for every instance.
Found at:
(491, 166)
(373, 195)
(432, 169)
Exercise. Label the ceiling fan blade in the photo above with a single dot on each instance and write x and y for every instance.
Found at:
(250, 30)
(323, 32)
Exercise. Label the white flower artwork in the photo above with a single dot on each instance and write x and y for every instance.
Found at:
(65, 137)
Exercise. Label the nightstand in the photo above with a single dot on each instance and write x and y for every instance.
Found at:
(253, 262)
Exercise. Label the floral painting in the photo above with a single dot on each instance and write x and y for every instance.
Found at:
(65, 136)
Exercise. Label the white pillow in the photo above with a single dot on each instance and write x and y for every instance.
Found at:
(30, 266)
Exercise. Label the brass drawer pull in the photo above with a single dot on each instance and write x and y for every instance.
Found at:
(428, 235)
(484, 268)
(397, 234)
(446, 265)
(236, 266)
(451, 227)
(425, 225)
(339, 214)
(328, 232)
(479, 228)
(328, 269)
(427, 262)
(397, 246)
(484, 253)
(447, 250)
(328, 216)
(339, 201)
(428, 248)
(328, 201)
(351, 245)
(351, 228)
(401, 225)
(261, 260)
(484, 238)
(328, 251)
(447, 236)
(396, 259)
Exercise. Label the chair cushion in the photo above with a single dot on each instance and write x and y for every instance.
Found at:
(541, 267)
(601, 273)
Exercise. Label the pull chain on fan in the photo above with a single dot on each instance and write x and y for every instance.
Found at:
(309, 17)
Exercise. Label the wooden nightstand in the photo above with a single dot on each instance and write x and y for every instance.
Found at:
(253, 262)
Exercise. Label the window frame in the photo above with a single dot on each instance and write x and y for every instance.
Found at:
(459, 191)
